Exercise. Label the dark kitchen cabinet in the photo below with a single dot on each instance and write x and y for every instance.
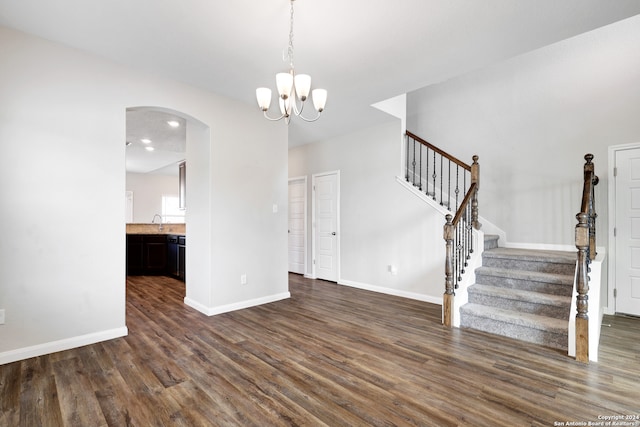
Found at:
(155, 254)
(135, 254)
(146, 254)
(176, 247)
(172, 255)
(182, 248)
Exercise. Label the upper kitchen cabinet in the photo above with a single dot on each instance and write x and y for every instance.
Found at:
(182, 179)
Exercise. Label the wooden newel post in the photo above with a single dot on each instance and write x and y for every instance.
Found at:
(447, 300)
(582, 288)
(589, 174)
(475, 178)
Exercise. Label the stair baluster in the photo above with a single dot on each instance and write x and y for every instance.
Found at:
(459, 227)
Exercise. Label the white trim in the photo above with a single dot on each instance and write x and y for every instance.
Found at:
(610, 308)
(461, 295)
(212, 311)
(422, 196)
(394, 292)
(313, 220)
(195, 304)
(306, 204)
(61, 345)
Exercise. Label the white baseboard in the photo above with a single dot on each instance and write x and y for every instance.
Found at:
(195, 304)
(61, 345)
(212, 311)
(310, 276)
(394, 292)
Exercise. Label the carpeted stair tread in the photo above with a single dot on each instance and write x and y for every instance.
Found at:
(521, 295)
(532, 321)
(563, 257)
(533, 276)
(558, 262)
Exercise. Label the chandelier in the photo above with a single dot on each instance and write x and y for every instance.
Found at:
(291, 85)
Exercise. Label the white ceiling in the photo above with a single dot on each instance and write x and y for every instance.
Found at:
(169, 143)
(361, 51)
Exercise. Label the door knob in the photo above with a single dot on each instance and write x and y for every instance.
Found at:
(333, 234)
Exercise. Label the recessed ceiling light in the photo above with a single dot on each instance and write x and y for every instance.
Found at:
(173, 123)
(145, 141)
(149, 148)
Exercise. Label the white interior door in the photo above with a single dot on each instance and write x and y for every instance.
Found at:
(326, 214)
(297, 221)
(627, 240)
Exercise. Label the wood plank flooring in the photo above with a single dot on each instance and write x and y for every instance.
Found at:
(328, 356)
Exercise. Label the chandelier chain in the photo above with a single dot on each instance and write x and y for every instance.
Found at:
(290, 49)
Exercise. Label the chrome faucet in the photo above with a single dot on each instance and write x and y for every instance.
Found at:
(153, 221)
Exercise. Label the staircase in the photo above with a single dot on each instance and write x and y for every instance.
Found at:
(523, 294)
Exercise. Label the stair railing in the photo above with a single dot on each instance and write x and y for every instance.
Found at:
(452, 184)
(437, 174)
(586, 244)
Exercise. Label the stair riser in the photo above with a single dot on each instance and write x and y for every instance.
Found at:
(519, 306)
(490, 243)
(526, 285)
(528, 265)
(523, 333)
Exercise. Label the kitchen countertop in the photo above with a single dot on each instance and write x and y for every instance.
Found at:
(178, 229)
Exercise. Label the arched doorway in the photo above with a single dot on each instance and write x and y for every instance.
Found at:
(159, 141)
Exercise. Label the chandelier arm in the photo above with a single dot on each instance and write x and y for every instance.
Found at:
(295, 107)
(274, 119)
(309, 120)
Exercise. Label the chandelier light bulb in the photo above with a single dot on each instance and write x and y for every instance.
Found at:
(284, 82)
(319, 99)
(303, 86)
(263, 95)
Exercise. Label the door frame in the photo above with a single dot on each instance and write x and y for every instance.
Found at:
(306, 203)
(314, 177)
(611, 188)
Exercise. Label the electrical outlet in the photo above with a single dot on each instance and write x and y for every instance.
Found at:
(393, 269)
(2, 317)
(243, 279)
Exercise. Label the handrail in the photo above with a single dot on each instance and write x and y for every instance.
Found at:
(586, 244)
(439, 151)
(437, 174)
(465, 201)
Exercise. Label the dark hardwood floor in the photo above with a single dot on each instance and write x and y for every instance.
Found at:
(330, 355)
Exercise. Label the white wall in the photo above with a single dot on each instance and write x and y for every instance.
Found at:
(62, 177)
(148, 190)
(381, 223)
(531, 119)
